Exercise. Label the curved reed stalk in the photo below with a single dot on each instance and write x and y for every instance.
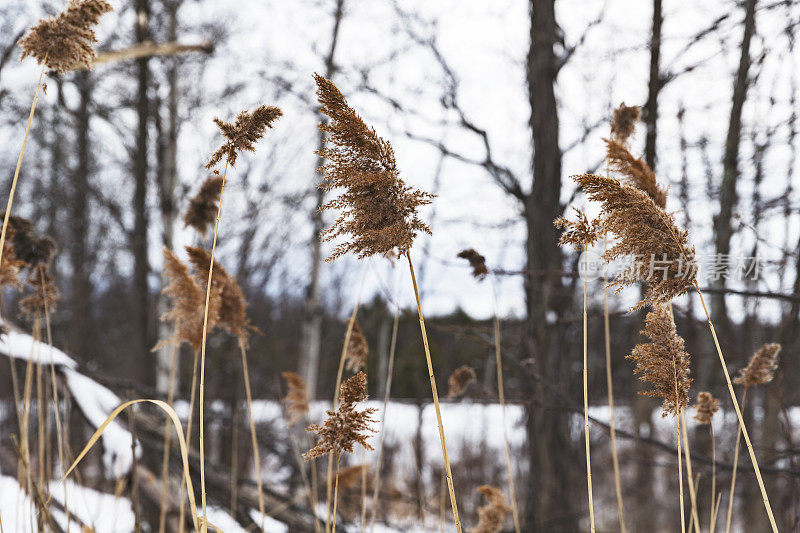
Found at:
(336, 491)
(735, 468)
(162, 511)
(435, 395)
(680, 477)
(190, 419)
(586, 395)
(692, 492)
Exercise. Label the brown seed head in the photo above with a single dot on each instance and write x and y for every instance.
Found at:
(477, 262)
(188, 301)
(345, 427)
(459, 380)
(635, 171)
(762, 366)
(296, 399)
(202, 209)
(243, 134)
(491, 515)
(45, 293)
(579, 234)
(65, 42)
(233, 305)
(624, 121)
(706, 406)
(378, 210)
(10, 266)
(663, 362)
(357, 349)
(660, 250)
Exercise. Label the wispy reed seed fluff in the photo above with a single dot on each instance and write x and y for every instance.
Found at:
(491, 515)
(296, 399)
(242, 134)
(706, 407)
(345, 427)
(65, 42)
(663, 362)
(477, 262)
(202, 209)
(635, 171)
(580, 233)
(357, 349)
(623, 122)
(762, 366)
(378, 210)
(458, 382)
(660, 253)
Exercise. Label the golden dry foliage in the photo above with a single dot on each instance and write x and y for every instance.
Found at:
(378, 210)
(188, 298)
(296, 399)
(459, 380)
(635, 171)
(491, 515)
(233, 305)
(623, 123)
(243, 133)
(477, 262)
(202, 209)
(65, 42)
(762, 366)
(345, 427)
(706, 406)
(663, 362)
(660, 251)
(357, 349)
(579, 234)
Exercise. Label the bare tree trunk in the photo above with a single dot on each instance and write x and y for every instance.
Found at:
(311, 329)
(549, 441)
(653, 87)
(728, 197)
(141, 266)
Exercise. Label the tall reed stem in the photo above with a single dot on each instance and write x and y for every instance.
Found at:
(735, 468)
(692, 492)
(435, 397)
(204, 525)
(336, 491)
(680, 477)
(256, 457)
(743, 426)
(586, 393)
(192, 398)
(162, 511)
(611, 425)
(713, 525)
(502, 397)
(19, 161)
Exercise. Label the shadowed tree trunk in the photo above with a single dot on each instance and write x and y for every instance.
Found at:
(653, 87)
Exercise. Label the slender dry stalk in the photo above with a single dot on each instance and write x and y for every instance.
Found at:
(759, 371)
(706, 406)
(692, 489)
(253, 437)
(162, 511)
(680, 476)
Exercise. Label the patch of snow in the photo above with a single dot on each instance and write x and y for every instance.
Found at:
(19, 345)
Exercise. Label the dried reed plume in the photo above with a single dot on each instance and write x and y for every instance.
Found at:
(477, 262)
(243, 133)
(660, 250)
(635, 171)
(580, 233)
(623, 123)
(459, 380)
(663, 362)
(357, 349)
(188, 298)
(761, 368)
(706, 406)
(202, 209)
(65, 42)
(345, 427)
(296, 399)
(379, 211)
(45, 293)
(233, 305)
(10, 266)
(492, 515)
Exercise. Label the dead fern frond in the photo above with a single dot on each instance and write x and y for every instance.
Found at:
(477, 262)
(345, 427)
(660, 251)
(623, 123)
(202, 209)
(243, 133)
(296, 399)
(65, 42)
(761, 368)
(663, 362)
(492, 515)
(357, 349)
(459, 380)
(579, 234)
(635, 171)
(706, 406)
(378, 210)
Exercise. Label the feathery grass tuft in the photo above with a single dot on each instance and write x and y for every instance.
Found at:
(202, 209)
(296, 399)
(706, 407)
(635, 170)
(477, 262)
(491, 515)
(357, 349)
(623, 123)
(458, 382)
(761, 368)
(242, 134)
